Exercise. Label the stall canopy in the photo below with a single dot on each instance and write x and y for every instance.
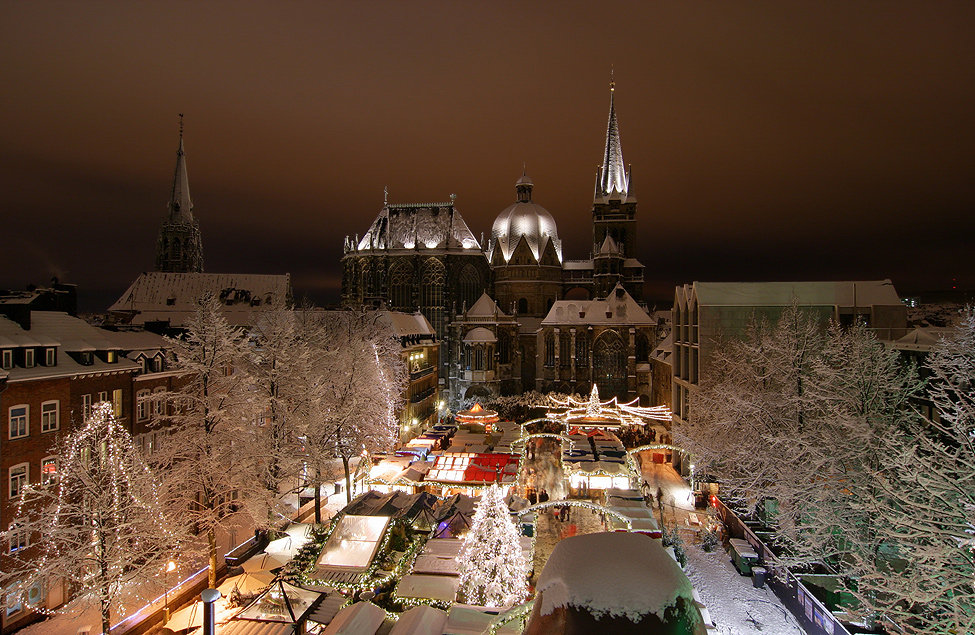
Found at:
(420, 620)
(428, 587)
(362, 618)
(281, 602)
(353, 543)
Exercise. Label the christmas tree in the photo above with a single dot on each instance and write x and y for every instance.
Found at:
(493, 569)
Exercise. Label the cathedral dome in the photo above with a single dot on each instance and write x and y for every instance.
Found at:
(525, 219)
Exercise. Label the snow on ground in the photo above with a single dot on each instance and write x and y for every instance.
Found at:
(736, 607)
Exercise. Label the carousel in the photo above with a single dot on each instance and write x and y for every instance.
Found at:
(594, 413)
(478, 416)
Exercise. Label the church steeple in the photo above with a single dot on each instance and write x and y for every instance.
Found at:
(179, 248)
(613, 179)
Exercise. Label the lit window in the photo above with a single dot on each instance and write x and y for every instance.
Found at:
(18, 421)
(85, 406)
(18, 479)
(28, 358)
(7, 361)
(12, 601)
(117, 403)
(49, 470)
(142, 405)
(111, 357)
(18, 536)
(50, 417)
(49, 356)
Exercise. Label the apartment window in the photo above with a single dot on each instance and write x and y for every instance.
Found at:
(49, 357)
(86, 406)
(159, 405)
(28, 358)
(18, 479)
(142, 405)
(144, 363)
(49, 470)
(19, 536)
(117, 403)
(102, 396)
(7, 359)
(111, 357)
(157, 364)
(13, 606)
(50, 418)
(18, 421)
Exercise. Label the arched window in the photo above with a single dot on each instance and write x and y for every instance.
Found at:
(565, 349)
(522, 306)
(401, 286)
(504, 347)
(582, 349)
(177, 252)
(469, 286)
(642, 348)
(479, 358)
(609, 364)
(431, 294)
(550, 349)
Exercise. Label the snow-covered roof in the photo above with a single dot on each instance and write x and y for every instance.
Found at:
(405, 324)
(172, 297)
(617, 574)
(922, 338)
(485, 307)
(619, 308)
(418, 226)
(420, 620)
(479, 335)
(863, 293)
(429, 587)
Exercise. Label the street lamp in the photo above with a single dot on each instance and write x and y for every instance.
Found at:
(170, 566)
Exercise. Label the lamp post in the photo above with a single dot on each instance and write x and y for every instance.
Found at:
(170, 566)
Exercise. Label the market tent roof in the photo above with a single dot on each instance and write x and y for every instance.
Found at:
(445, 547)
(327, 609)
(464, 619)
(428, 587)
(281, 602)
(362, 618)
(353, 543)
(420, 620)
(436, 565)
(246, 627)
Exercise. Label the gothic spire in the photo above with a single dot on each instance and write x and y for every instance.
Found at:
(613, 178)
(180, 204)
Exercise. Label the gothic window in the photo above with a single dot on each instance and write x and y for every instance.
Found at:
(609, 364)
(432, 281)
(565, 350)
(177, 252)
(401, 286)
(469, 286)
(504, 347)
(479, 358)
(582, 349)
(522, 306)
(642, 348)
(550, 349)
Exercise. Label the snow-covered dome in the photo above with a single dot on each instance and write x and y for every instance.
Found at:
(528, 219)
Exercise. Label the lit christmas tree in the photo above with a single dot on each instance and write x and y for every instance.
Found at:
(96, 522)
(493, 569)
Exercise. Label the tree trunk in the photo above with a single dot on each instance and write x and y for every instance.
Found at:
(318, 496)
(348, 480)
(212, 557)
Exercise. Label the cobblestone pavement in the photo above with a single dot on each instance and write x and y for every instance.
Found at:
(550, 530)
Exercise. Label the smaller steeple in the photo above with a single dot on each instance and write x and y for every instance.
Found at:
(612, 178)
(180, 203)
(179, 248)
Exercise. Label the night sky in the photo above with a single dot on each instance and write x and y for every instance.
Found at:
(769, 141)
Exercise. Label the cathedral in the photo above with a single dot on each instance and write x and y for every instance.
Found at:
(501, 309)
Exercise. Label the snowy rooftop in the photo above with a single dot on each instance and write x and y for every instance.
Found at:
(172, 297)
(616, 574)
(617, 308)
(863, 293)
(418, 226)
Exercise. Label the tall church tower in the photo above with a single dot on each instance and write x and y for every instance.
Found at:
(614, 218)
(180, 248)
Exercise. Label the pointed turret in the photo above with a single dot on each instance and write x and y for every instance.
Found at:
(180, 204)
(180, 247)
(613, 178)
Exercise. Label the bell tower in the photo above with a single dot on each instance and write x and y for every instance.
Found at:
(179, 248)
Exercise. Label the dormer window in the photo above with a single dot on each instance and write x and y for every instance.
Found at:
(111, 357)
(50, 356)
(157, 364)
(86, 358)
(28, 358)
(7, 359)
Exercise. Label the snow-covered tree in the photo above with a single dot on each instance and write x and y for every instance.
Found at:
(493, 569)
(97, 524)
(927, 584)
(363, 377)
(209, 426)
(282, 388)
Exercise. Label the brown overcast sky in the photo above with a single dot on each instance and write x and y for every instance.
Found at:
(769, 141)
